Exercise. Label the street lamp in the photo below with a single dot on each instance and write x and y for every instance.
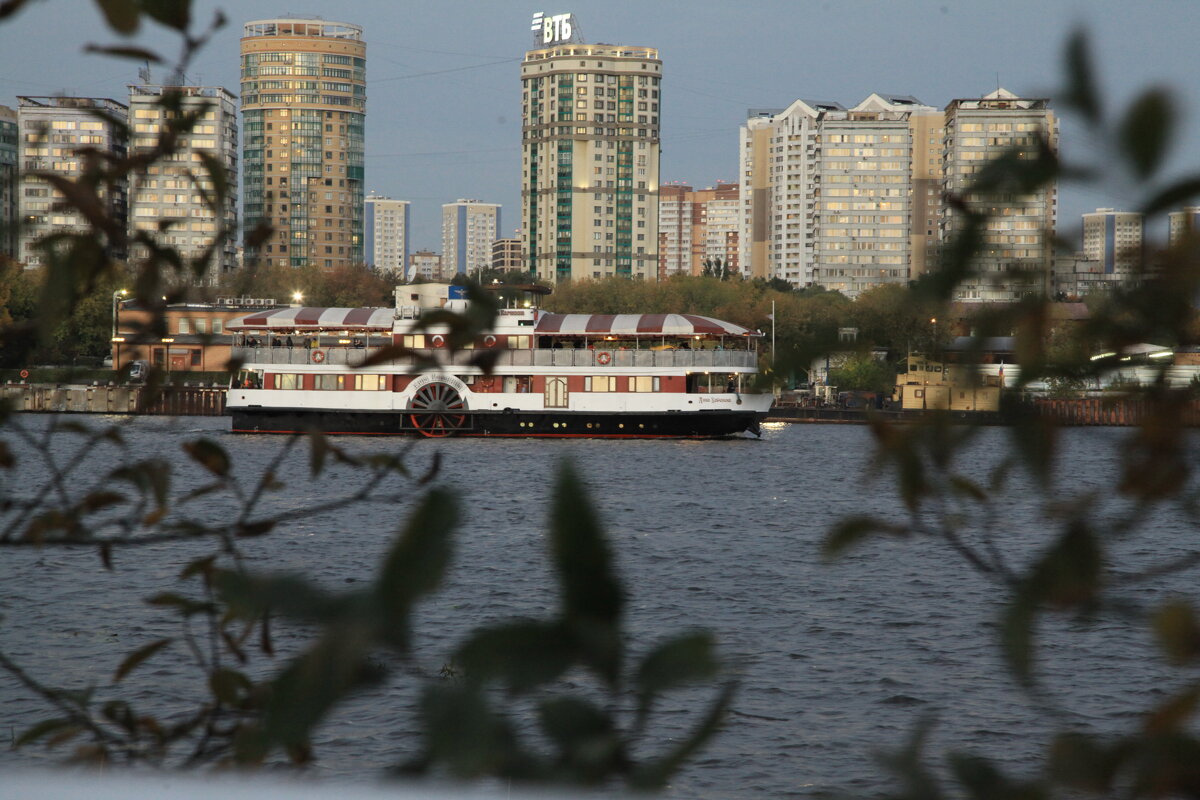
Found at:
(117, 295)
(167, 355)
(297, 296)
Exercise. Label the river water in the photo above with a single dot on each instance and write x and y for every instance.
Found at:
(836, 661)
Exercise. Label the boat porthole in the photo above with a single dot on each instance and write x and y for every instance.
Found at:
(556, 424)
(640, 425)
(620, 424)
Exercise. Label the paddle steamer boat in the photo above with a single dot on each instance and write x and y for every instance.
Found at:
(554, 375)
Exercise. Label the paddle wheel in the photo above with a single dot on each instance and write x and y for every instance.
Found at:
(436, 409)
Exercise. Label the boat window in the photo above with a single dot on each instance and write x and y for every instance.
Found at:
(287, 380)
(600, 383)
(518, 342)
(414, 341)
(329, 383)
(370, 383)
(643, 383)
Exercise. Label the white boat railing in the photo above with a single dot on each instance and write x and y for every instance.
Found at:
(598, 359)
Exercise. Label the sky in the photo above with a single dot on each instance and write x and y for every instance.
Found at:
(444, 90)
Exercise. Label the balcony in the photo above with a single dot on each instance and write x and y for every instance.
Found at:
(352, 357)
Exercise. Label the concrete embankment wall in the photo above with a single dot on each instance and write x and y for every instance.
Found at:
(169, 400)
(1121, 411)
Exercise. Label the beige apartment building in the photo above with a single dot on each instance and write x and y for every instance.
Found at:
(304, 104)
(55, 135)
(506, 255)
(1113, 240)
(469, 228)
(697, 227)
(836, 196)
(425, 265)
(590, 160)
(169, 192)
(386, 231)
(851, 198)
(1018, 249)
(1183, 223)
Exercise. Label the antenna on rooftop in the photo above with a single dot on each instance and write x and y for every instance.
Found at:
(144, 74)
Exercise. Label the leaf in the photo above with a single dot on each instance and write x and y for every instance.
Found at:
(583, 562)
(1081, 84)
(415, 564)
(209, 455)
(1079, 762)
(41, 729)
(319, 448)
(853, 530)
(1177, 194)
(314, 682)
(121, 15)
(134, 53)
(655, 774)
(1173, 715)
(463, 733)
(249, 597)
(523, 654)
(185, 606)
(1145, 132)
(229, 686)
(135, 658)
(584, 735)
(1178, 632)
(175, 14)
(678, 662)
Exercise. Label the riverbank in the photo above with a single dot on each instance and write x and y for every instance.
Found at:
(165, 400)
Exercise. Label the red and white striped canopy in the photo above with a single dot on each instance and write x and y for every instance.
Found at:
(638, 324)
(334, 319)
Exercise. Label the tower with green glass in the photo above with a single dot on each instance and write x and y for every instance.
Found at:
(590, 160)
(304, 103)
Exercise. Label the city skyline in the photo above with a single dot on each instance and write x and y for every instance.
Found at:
(430, 73)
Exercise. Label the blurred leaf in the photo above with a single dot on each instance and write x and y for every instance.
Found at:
(314, 682)
(462, 732)
(1145, 132)
(250, 597)
(319, 447)
(415, 564)
(185, 606)
(1079, 762)
(916, 781)
(209, 455)
(968, 488)
(40, 730)
(135, 658)
(172, 13)
(591, 594)
(523, 654)
(655, 774)
(984, 782)
(1081, 83)
(121, 15)
(1178, 632)
(134, 53)
(247, 530)
(678, 662)
(6, 457)
(585, 737)
(851, 531)
(1178, 194)
(229, 686)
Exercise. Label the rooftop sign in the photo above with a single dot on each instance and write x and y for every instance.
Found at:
(551, 29)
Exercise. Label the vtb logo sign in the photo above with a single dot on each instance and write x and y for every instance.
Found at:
(553, 28)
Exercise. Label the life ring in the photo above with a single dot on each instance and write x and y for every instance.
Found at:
(438, 340)
(603, 357)
(489, 341)
(318, 356)
(24, 374)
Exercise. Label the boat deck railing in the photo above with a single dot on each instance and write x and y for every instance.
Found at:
(599, 359)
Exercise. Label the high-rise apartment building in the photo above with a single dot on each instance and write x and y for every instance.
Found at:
(425, 265)
(57, 134)
(850, 198)
(9, 158)
(1018, 247)
(1113, 239)
(304, 105)
(1183, 223)
(590, 157)
(506, 255)
(697, 228)
(830, 194)
(168, 191)
(386, 230)
(469, 228)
